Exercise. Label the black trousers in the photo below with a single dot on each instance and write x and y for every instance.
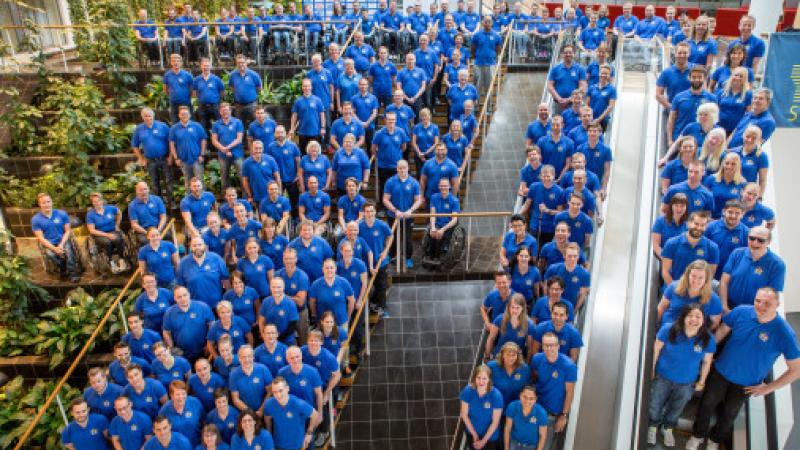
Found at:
(437, 247)
(383, 176)
(378, 295)
(207, 113)
(294, 195)
(723, 398)
(111, 247)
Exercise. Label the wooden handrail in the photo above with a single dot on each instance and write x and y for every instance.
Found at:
(111, 309)
(465, 214)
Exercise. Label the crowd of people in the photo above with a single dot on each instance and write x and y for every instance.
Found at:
(236, 342)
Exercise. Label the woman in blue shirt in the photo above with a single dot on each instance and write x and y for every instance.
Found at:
(713, 150)
(694, 286)
(481, 409)
(681, 361)
(250, 435)
(456, 143)
(257, 268)
(184, 412)
(677, 170)
(734, 98)
(733, 60)
(424, 138)
(526, 422)
(510, 373)
(102, 222)
(726, 184)
(223, 417)
(242, 297)
(153, 302)
(333, 336)
(160, 258)
(214, 236)
(314, 164)
(755, 162)
(211, 439)
(703, 46)
(227, 360)
(511, 326)
(525, 277)
(671, 223)
(273, 244)
(235, 327)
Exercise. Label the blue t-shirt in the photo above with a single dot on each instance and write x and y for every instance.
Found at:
(748, 276)
(566, 79)
(131, 434)
(754, 47)
(187, 139)
(381, 76)
(104, 221)
(753, 347)
(401, 192)
(273, 361)
(152, 140)
(700, 198)
(551, 380)
(555, 153)
(332, 297)
(245, 87)
(575, 280)
(159, 261)
(288, 421)
(179, 86)
(227, 133)
(314, 204)
(209, 91)
(237, 331)
(732, 108)
(241, 235)
(390, 147)
(226, 426)
(146, 214)
(679, 361)
(103, 404)
(674, 81)
(525, 428)
(264, 132)
(252, 388)
(308, 110)
(244, 304)
(204, 280)
(262, 441)
(727, 240)
(198, 207)
(146, 401)
(481, 409)
(677, 302)
(177, 442)
(142, 347)
(280, 315)
(310, 257)
(256, 273)
(552, 198)
(205, 392)
(682, 253)
(509, 385)
(188, 422)
(302, 384)
(699, 51)
(285, 155)
(188, 329)
(89, 437)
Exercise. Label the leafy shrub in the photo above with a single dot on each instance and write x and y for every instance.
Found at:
(16, 290)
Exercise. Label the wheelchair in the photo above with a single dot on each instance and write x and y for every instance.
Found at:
(452, 252)
(81, 260)
(100, 262)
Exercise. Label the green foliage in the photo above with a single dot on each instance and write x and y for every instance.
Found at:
(20, 119)
(120, 188)
(31, 42)
(69, 183)
(16, 290)
(288, 91)
(19, 405)
(154, 94)
(113, 44)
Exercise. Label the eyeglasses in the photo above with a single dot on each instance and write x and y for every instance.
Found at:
(757, 239)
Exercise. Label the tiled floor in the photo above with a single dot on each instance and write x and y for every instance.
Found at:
(497, 177)
(406, 393)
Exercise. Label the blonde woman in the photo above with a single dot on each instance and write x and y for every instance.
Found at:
(703, 46)
(694, 286)
(713, 150)
(755, 162)
(513, 325)
(734, 99)
(727, 183)
(482, 422)
(510, 373)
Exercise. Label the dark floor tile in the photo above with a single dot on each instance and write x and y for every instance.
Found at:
(412, 357)
(411, 341)
(435, 426)
(361, 431)
(445, 339)
(432, 390)
(380, 430)
(399, 429)
(438, 443)
(415, 391)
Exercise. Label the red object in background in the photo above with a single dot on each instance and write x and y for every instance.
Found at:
(728, 21)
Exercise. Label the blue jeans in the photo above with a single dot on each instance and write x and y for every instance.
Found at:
(67, 263)
(312, 41)
(191, 170)
(514, 445)
(667, 400)
(174, 46)
(225, 169)
(282, 36)
(339, 36)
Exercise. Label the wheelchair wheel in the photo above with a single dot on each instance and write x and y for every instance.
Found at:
(131, 250)
(455, 251)
(48, 264)
(97, 257)
(82, 259)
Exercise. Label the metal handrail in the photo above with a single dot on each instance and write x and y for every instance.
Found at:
(180, 24)
(111, 308)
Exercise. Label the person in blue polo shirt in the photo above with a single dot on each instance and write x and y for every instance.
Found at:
(187, 145)
(227, 135)
(694, 286)
(145, 32)
(602, 97)
(525, 422)
(401, 197)
(377, 235)
(308, 117)
(625, 25)
(322, 85)
(130, 429)
(681, 250)
(366, 107)
(569, 338)
(147, 394)
(575, 276)
(510, 373)
(100, 394)
(87, 430)
(350, 162)
(350, 206)
(274, 206)
(279, 310)
(556, 376)
(225, 214)
(123, 360)
(515, 239)
(539, 126)
(204, 273)
(196, 36)
(250, 382)
(481, 409)
(590, 38)
(54, 233)
(486, 44)
(173, 32)
(564, 78)
(435, 169)
(257, 269)
(683, 109)
(728, 232)
(682, 359)
(315, 355)
(347, 84)
(382, 75)
(178, 85)
(224, 37)
(245, 84)
(459, 93)
(146, 211)
(751, 268)
(311, 250)
(441, 228)
(699, 197)
(240, 231)
(166, 439)
(209, 90)
(331, 293)
(140, 339)
(753, 45)
(758, 116)
(388, 145)
(186, 324)
(544, 201)
(496, 300)
(195, 208)
(362, 54)
(160, 258)
(262, 129)
(413, 81)
(258, 170)
(152, 302)
(315, 205)
(150, 144)
(580, 224)
(292, 420)
(204, 382)
(347, 124)
(757, 336)
(224, 416)
(556, 147)
(185, 412)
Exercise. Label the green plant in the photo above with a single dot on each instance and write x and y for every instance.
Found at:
(113, 44)
(20, 119)
(120, 188)
(16, 290)
(13, 189)
(69, 183)
(154, 94)
(288, 91)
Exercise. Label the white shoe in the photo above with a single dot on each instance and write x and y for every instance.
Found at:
(123, 265)
(652, 435)
(694, 443)
(669, 439)
(711, 445)
(114, 267)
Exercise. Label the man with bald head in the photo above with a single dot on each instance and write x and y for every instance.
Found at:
(750, 268)
(539, 126)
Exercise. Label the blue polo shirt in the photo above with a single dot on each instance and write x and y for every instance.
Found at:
(280, 314)
(752, 163)
(732, 108)
(245, 87)
(568, 338)
(317, 167)
(758, 215)
(485, 44)
(511, 334)
(335, 68)
(566, 79)
(216, 242)
(509, 385)
(243, 305)
(685, 104)
(252, 388)
(311, 257)
(198, 207)
(298, 282)
(402, 192)
(264, 132)
(727, 240)
(456, 149)
(142, 347)
(240, 235)
(427, 60)
(209, 90)
(288, 421)
(314, 204)
(754, 48)
(152, 140)
(237, 331)
(159, 261)
(361, 56)
(699, 51)
(188, 329)
(147, 400)
(682, 253)
(272, 360)
(552, 198)
(205, 392)
(444, 205)
(204, 280)
(324, 362)
(600, 97)
(284, 155)
(226, 133)
(347, 85)
(118, 374)
(457, 95)
(303, 384)
(361, 251)
(748, 276)
(389, 146)
(495, 303)
(226, 426)
(349, 165)
(177, 442)
(224, 369)
(146, 214)
(589, 203)
(179, 371)
(700, 198)
(259, 174)
(511, 245)
(332, 297)
(89, 437)
(592, 182)
(555, 153)
(381, 77)
(452, 69)
(104, 221)
(536, 130)
(131, 434)
(404, 115)
(434, 171)
(648, 28)
(353, 273)
(592, 37)
(375, 236)
(275, 209)
(674, 81)
(679, 361)
(103, 404)
(753, 347)
(308, 110)
(593, 73)
(675, 172)
(581, 227)
(179, 86)
(626, 24)
(551, 380)
(541, 312)
(364, 106)
(226, 211)
(481, 409)
(666, 229)
(764, 120)
(321, 83)
(188, 422)
(351, 208)
(411, 80)
(52, 227)
(147, 32)
(187, 139)
(340, 129)
(677, 302)
(575, 280)
(552, 255)
(255, 273)
(525, 428)
(262, 441)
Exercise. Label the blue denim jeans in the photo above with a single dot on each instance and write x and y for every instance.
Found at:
(312, 41)
(282, 37)
(191, 170)
(67, 263)
(667, 400)
(225, 169)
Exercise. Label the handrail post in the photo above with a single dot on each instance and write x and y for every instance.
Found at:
(160, 50)
(331, 422)
(61, 409)
(122, 316)
(397, 246)
(365, 313)
(469, 234)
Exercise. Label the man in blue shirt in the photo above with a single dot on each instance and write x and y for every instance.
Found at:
(378, 236)
(146, 211)
(250, 34)
(150, 144)
(680, 251)
(382, 77)
(675, 78)
(460, 93)
(751, 268)
(227, 136)
(257, 172)
(401, 197)
(564, 78)
(187, 146)
(728, 232)
(303, 380)
(759, 116)
(323, 82)
(87, 430)
(388, 146)
(362, 54)
(683, 109)
(262, 129)
(287, 155)
(246, 84)
(556, 148)
(130, 429)
(166, 439)
(539, 126)
(757, 336)
(435, 169)
(54, 235)
(250, 382)
(204, 273)
(173, 32)
(240, 231)
(625, 25)
(145, 32)
(308, 117)
(648, 27)
(197, 37)
(224, 37)
(293, 420)
(700, 198)
(753, 45)
(311, 250)
(195, 208)
(556, 376)
(209, 90)
(178, 85)
(486, 44)
(413, 81)
(441, 228)
(100, 394)
(186, 323)
(429, 61)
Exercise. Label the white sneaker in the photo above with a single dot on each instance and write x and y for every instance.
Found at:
(711, 445)
(694, 443)
(123, 265)
(114, 267)
(669, 439)
(652, 435)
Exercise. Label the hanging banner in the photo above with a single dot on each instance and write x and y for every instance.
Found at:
(782, 75)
